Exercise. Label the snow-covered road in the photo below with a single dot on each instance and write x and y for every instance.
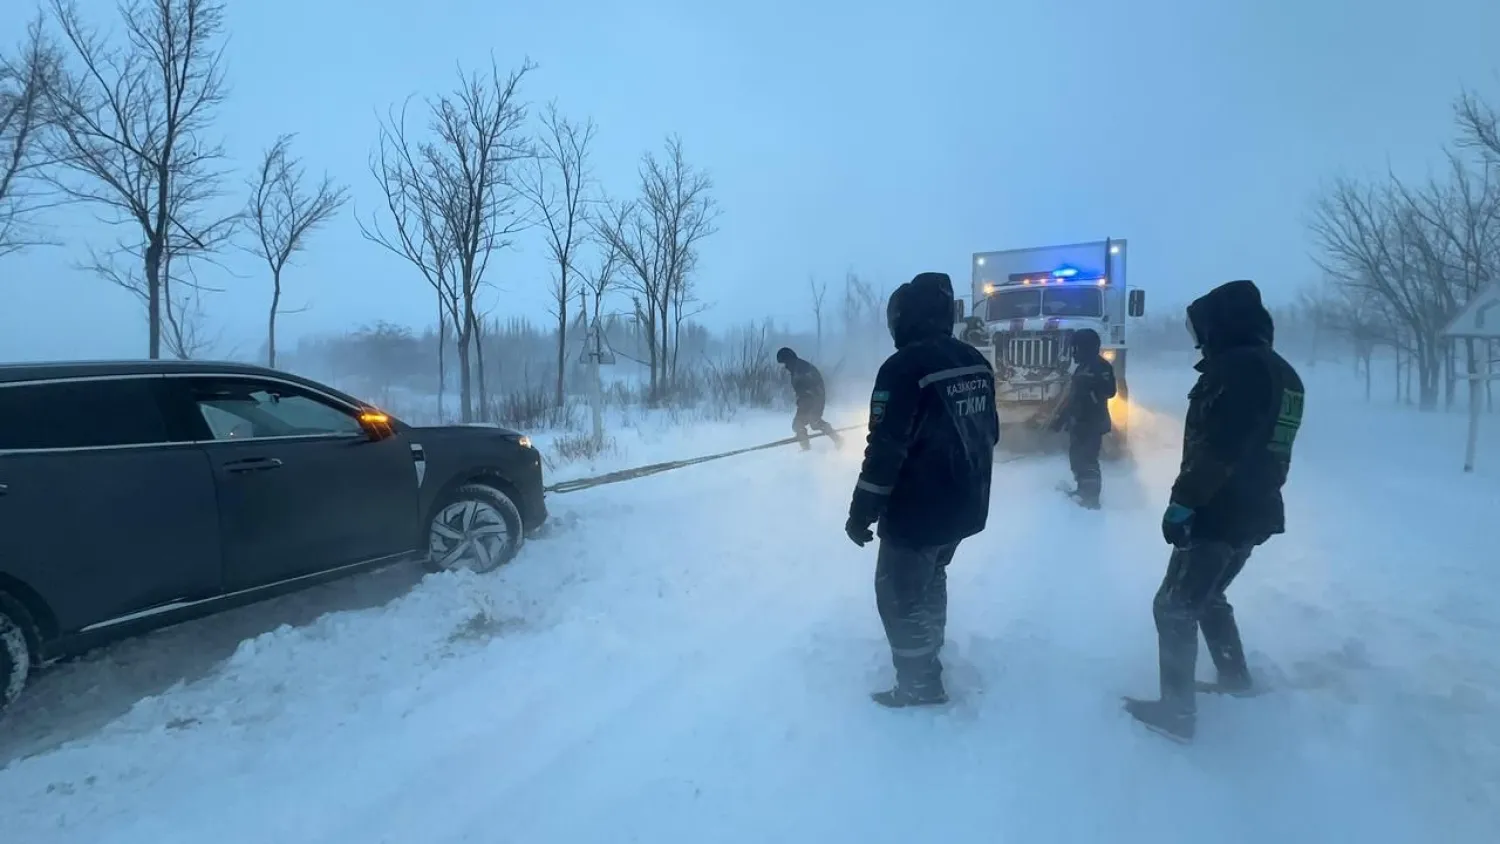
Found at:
(686, 658)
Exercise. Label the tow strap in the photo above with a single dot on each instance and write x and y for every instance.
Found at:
(579, 484)
(656, 468)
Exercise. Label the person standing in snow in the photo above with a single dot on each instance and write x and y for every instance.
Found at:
(1085, 414)
(1243, 416)
(925, 478)
(807, 384)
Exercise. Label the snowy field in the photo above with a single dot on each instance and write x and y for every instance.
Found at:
(685, 658)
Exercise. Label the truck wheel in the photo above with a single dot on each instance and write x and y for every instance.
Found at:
(15, 650)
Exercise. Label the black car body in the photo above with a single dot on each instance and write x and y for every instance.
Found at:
(136, 494)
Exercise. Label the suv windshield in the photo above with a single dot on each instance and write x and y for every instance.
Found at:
(1058, 301)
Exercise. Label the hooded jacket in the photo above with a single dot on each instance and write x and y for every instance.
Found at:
(807, 381)
(1085, 411)
(933, 426)
(1242, 419)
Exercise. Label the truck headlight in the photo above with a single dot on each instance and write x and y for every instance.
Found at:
(1109, 355)
(525, 441)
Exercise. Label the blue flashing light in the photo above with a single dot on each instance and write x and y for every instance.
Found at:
(1064, 272)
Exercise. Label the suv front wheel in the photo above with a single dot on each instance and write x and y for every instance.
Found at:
(15, 650)
(477, 527)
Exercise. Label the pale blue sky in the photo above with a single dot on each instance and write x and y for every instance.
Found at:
(892, 137)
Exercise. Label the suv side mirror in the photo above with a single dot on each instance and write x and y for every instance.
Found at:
(958, 311)
(377, 425)
(1136, 302)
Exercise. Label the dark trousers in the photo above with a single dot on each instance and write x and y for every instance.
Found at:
(1083, 459)
(1192, 597)
(911, 592)
(810, 412)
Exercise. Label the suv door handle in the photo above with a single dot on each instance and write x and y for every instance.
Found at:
(253, 464)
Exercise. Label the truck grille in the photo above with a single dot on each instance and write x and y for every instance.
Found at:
(1031, 348)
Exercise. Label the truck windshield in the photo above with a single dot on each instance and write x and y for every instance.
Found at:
(1059, 301)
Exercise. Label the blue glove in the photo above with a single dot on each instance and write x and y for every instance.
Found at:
(1176, 525)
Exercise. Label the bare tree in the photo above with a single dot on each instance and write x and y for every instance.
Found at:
(1358, 313)
(132, 120)
(559, 184)
(685, 306)
(1371, 238)
(1479, 126)
(25, 80)
(601, 278)
(283, 210)
(657, 236)
(819, 291)
(453, 199)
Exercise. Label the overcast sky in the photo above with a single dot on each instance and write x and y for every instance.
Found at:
(890, 137)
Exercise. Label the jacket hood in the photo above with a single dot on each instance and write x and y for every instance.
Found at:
(1230, 316)
(785, 356)
(1085, 344)
(921, 309)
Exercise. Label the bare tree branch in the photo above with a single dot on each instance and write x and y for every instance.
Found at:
(1412, 256)
(559, 185)
(132, 120)
(282, 212)
(1478, 126)
(657, 237)
(819, 292)
(453, 200)
(25, 81)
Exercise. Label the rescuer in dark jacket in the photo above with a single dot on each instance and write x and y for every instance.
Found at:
(925, 478)
(1085, 414)
(807, 384)
(1243, 416)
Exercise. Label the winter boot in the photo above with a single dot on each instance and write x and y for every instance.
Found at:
(1164, 717)
(901, 697)
(1087, 493)
(1083, 499)
(1233, 688)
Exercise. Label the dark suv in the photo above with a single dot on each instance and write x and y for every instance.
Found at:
(136, 494)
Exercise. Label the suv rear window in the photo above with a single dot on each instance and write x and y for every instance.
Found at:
(80, 414)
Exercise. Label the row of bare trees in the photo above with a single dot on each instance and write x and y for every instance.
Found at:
(1400, 259)
(463, 190)
(124, 123)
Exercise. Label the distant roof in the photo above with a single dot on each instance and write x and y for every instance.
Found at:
(1480, 318)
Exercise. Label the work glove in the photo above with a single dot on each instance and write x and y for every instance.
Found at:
(1176, 525)
(858, 531)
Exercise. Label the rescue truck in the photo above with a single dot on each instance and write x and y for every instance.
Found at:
(1025, 306)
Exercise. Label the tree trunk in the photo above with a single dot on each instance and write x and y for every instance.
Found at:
(654, 395)
(1398, 374)
(442, 361)
(1450, 378)
(1489, 369)
(154, 251)
(665, 326)
(483, 409)
(1429, 373)
(1368, 381)
(465, 385)
(562, 346)
(271, 322)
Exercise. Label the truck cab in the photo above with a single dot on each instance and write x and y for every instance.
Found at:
(1026, 305)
